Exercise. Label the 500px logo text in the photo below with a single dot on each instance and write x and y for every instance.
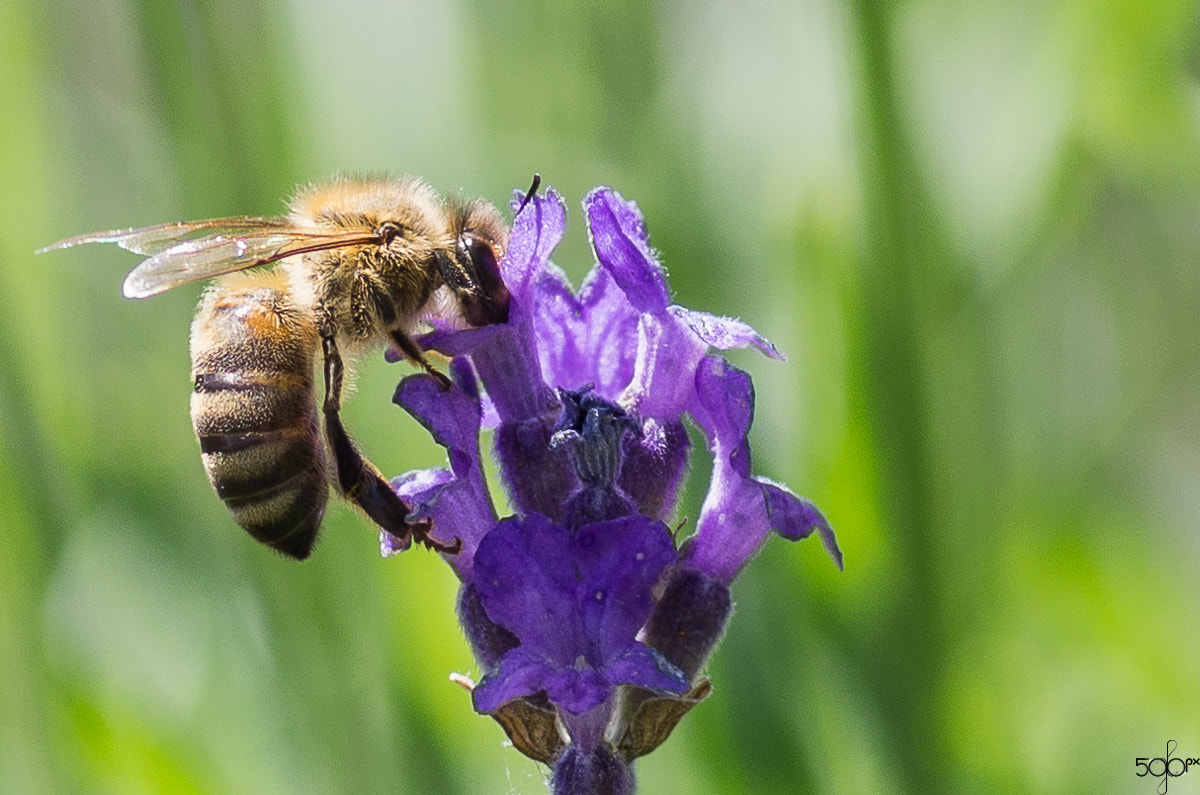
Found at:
(1164, 767)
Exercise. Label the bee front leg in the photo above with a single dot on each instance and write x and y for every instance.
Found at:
(409, 347)
(357, 478)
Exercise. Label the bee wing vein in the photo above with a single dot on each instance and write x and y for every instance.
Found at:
(153, 239)
(202, 258)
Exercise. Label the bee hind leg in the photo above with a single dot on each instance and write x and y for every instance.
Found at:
(358, 479)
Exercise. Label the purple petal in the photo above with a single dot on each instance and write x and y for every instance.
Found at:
(739, 511)
(450, 416)
(518, 673)
(522, 672)
(420, 486)
(578, 691)
(725, 409)
(646, 668)
(507, 361)
(453, 341)
(561, 329)
(795, 518)
(458, 502)
(537, 230)
(618, 234)
(508, 364)
(731, 529)
(733, 519)
(611, 333)
(575, 602)
(418, 481)
(624, 558)
(523, 571)
(589, 338)
(537, 579)
(664, 372)
(724, 333)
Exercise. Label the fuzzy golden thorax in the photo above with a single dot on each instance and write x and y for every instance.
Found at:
(362, 293)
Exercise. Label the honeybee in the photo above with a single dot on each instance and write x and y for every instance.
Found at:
(361, 262)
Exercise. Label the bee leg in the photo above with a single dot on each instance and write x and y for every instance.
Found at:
(357, 478)
(413, 351)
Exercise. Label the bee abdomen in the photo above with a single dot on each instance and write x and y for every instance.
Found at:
(254, 412)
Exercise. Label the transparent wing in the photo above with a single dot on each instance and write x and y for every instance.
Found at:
(206, 257)
(193, 251)
(153, 239)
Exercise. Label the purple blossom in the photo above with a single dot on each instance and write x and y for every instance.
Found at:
(575, 601)
(581, 609)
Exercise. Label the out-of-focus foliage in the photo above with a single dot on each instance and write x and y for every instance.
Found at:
(975, 228)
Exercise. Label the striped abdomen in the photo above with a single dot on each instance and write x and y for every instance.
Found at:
(254, 410)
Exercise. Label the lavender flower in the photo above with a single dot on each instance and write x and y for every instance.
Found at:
(587, 619)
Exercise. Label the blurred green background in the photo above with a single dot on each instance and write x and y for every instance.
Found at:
(973, 226)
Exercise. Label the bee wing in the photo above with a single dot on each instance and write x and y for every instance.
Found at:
(151, 240)
(191, 251)
(205, 257)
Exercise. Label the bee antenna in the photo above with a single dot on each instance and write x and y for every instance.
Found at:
(529, 194)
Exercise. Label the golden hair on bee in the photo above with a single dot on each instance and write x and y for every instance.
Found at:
(361, 263)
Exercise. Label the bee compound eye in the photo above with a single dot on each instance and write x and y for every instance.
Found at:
(489, 302)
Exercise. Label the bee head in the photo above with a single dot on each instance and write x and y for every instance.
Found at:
(474, 275)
